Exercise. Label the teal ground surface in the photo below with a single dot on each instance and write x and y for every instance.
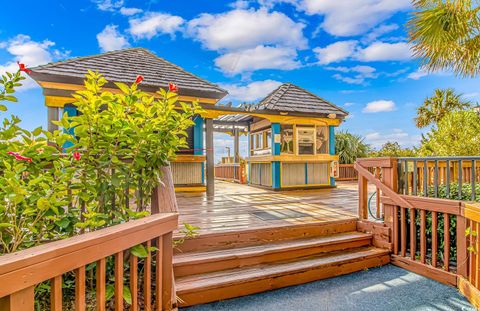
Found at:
(385, 288)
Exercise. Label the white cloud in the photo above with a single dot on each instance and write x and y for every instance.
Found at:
(360, 73)
(130, 11)
(383, 51)
(240, 4)
(154, 23)
(260, 57)
(252, 91)
(350, 18)
(417, 74)
(110, 39)
(335, 52)
(349, 104)
(108, 5)
(31, 53)
(378, 32)
(377, 139)
(379, 106)
(245, 29)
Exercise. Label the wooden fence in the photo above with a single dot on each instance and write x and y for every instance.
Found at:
(150, 278)
(433, 237)
(346, 172)
(235, 172)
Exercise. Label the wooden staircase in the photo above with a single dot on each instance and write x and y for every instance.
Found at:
(226, 265)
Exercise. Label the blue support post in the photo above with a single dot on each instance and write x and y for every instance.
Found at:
(249, 163)
(71, 111)
(275, 151)
(332, 148)
(198, 144)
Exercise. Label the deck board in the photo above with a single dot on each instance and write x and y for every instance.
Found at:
(233, 206)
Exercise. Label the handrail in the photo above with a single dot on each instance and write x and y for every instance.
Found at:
(21, 271)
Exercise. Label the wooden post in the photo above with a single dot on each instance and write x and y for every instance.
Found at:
(362, 198)
(210, 157)
(236, 145)
(390, 179)
(53, 115)
(163, 197)
(168, 292)
(21, 300)
(462, 253)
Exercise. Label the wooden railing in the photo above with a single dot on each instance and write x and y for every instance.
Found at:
(231, 172)
(346, 172)
(20, 272)
(428, 234)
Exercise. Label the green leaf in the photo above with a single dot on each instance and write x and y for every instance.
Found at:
(127, 295)
(3, 108)
(109, 292)
(43, 204)
(5, 225)
(139, 251)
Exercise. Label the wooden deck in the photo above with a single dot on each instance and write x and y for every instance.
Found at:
(237, 207)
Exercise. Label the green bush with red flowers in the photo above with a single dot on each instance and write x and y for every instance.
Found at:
(118, 144)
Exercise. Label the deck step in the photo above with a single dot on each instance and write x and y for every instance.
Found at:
(219, 285)
(209, 261)
(250, 237)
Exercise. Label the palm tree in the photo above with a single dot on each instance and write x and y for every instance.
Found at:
(434, 108)
(349, 147)
(445, 35)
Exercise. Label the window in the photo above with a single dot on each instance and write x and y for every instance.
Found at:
(322, 140)
(306, 140)
(268, 139)
(286, 132)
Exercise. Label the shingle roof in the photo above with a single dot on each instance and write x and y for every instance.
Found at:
(291, 98)
(125, 65)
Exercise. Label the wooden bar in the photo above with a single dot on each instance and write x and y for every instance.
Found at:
(23, 300)
(477, 257)
(460, 179)
(462, 253)
(403, 231)
(80, 289)
(118, 281)
(434, 238)
(134, 282)
(415, 178)
(377, 194)
(56, 293)
(362, 197)
(472, 271)
(100, 287)
(147, 277)
(395, 230)
(167, 272)
(425, 178)
(446, 242)
(413, 235)
(447, 183)
(158, 274)
(423, 236)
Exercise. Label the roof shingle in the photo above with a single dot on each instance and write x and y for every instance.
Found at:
(125, 65)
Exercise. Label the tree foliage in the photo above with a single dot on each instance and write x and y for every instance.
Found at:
(442, 102)
(393, 149)
(457, 134)
(349, 147)
(446, 35)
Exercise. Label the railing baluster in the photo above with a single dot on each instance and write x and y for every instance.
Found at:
(134, 282)
(119, 281)
(435, 179)
(425, 180)
(473, 180)
(167, 272)
(477, 257)
(406, 191)
(403, 231)
(80, 289)
(100, 286)
(56, 293)
(446, 241)
(447, 168)
(434, 238)
(158, 274)
(413, 235)
(460, 178)
(423, 236)
(415, 177)
(147, 276)
(395, 230)
(472, 256)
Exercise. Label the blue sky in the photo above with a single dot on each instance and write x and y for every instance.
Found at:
(352, 53)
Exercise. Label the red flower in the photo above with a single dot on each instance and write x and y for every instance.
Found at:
(172, 87)
(19, 157)
(77, 155)
(23, 68)
(139, 79)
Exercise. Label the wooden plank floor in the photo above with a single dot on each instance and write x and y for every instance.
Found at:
(234, 207)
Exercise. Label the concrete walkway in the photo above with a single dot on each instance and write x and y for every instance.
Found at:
(386, 288)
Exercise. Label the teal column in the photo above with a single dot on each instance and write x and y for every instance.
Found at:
(71, 111)
(198, 144)
(249, 164)
(331, 147)
(275, 151)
